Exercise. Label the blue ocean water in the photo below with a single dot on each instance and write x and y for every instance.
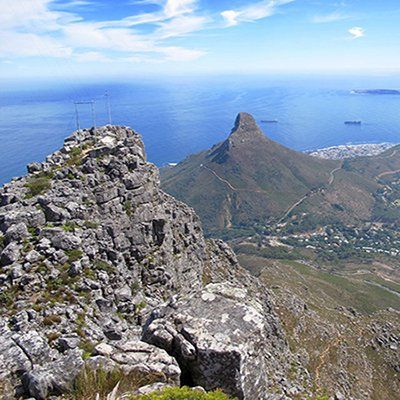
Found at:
(177, 117)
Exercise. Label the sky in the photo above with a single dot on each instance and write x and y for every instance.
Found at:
(97, 38)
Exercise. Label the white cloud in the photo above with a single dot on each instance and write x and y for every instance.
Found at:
(253, 12)
(333, 17)
(92, 56)
(17, 44)
(357, 32)
(180, 26)
(180, 54)
(34, 28)
(231, 17)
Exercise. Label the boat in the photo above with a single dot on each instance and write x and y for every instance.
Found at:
(353, 122)
(269, 121)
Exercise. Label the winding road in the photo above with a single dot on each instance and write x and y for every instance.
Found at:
(229, 184)
(312, 192)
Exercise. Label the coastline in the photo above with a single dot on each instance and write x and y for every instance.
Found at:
(344, 151)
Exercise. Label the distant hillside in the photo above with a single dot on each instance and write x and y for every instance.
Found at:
(250, 180)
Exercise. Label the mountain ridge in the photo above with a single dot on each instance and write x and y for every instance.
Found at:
(101, 271)
(251, 180)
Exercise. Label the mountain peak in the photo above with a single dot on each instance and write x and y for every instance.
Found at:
(245, 121)
(245, 126)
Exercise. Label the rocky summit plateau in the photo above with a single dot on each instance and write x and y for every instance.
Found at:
(100, 270)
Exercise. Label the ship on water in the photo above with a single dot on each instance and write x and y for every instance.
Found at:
(269, 121)
(352, 122)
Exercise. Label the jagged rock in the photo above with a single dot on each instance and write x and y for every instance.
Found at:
(68, 342)
(34, 167)
(52, 212)
(64, 241)
(54, 377)
(221, 339)
(10, 254)
(16, 232)
(152, 388)
(103, 349)
(139, 356)
(106, 246)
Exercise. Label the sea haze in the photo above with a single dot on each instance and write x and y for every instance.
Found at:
(181, 116)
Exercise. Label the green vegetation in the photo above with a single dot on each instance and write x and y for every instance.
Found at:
(33, 231)
(135, 287)
(87, 346)
(128, 207)
(183, 393)
(140, 306)
(104, 266)
(92, 383)
(6, 299)
(91, 224)
(279, 253)
(70, 226)
(39, 183)
(75, 157)
(74, 255)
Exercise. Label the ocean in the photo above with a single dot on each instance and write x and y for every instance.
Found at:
(178, 117)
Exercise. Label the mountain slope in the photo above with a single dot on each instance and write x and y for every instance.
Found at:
(93, 256)
(249, 180)
(246, 179)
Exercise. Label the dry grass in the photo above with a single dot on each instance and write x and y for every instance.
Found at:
(110, 385)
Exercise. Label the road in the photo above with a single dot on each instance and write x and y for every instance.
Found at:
(396, 171)
(312, 192)
(229, 184)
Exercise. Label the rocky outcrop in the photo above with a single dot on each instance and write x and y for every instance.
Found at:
(221, 337)
(90, 247)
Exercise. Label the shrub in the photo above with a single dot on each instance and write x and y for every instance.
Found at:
(128, 208)
(51, 320)
(104, 266)
(52, 336)
(92, 383)
(87, 346)
(91, 225)
(73, 255)
(70, 226)
(75, 157)
(33, 231)
(140, 306)
(39, 184)
(6, 299)
(184, 393)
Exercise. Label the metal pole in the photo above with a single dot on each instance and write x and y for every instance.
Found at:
(108, 108)
(77, 116)
(92, 103)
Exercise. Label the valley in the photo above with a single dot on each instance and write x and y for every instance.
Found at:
(341, 320)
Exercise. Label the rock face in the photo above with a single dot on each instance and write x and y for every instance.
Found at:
(90, 247)
(222, 338)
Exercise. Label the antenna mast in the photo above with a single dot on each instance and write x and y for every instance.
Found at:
(77, 116)
(92, 108)
(107, 96)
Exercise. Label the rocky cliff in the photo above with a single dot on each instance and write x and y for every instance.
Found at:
(100, 269)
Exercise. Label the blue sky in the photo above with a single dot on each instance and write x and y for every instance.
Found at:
(72, 38)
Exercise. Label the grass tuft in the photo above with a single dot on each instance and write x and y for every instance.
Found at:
(183, 393)
(91, 384)
(39, 184)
